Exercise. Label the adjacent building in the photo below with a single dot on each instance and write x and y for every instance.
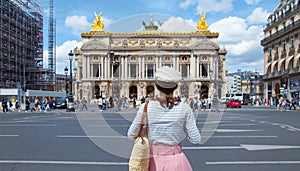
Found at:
(247, 82)
(282, 51)
(123, 64)
(21, 46)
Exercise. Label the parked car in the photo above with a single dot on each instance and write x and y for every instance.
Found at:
(60, 103)
(234, 103)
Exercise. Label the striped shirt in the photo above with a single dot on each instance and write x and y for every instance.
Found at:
(167, 126)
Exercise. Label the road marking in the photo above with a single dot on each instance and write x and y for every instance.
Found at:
(248, 147)
(42, 125)
(9, 135)
(251, 162)
(237, 125)
(62, 162)
(245, 136)
(267, 147)
(104, 136)
(108, 125)
(237, 130)
(213, 148)
(90, 136)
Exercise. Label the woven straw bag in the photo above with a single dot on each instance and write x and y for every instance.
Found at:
(140, 154)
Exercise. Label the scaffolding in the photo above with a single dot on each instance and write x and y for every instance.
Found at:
(21, 45)
(51, 45)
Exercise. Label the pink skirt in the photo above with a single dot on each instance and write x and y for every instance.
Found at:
(168, 158)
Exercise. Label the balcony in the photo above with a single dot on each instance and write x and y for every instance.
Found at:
(280, 33)
(269, 59)
(276, 56)
(291, 51)
(283, 54)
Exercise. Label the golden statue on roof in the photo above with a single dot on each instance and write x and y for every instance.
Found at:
(98, 25)
(202, 24)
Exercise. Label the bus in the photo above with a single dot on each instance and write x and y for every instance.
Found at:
(243, 97)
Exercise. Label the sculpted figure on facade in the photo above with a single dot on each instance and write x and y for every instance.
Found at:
(202, 24)
(98, 24)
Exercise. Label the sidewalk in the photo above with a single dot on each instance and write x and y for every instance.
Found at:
(93, 108)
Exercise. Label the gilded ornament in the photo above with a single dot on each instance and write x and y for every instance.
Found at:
(98, 25)
(202, 24)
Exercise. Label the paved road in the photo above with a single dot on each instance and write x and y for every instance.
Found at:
(247, 139)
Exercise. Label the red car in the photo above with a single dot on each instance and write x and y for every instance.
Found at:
(234, 103)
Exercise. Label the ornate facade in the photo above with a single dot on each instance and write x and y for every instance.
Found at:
(123, 64)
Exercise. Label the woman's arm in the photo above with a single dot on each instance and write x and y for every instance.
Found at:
(135, 125)
(191, 128)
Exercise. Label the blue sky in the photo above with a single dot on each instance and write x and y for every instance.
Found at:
(240, 23)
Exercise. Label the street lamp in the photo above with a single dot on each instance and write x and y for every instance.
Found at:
(76, 86)
(66, 73)
(70, 107)
(116, 64)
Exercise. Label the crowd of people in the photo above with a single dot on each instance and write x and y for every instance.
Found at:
(286, 104)
(197, 104)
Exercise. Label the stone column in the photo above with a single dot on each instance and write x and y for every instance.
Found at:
(191, 71)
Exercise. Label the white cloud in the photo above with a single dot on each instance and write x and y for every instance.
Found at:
(177, 24)
(259, 15)
(62, 58)
(106, 21)
(241, 41)
(205, 6)
(235, 30)
(80, 23)
(252, 2)
(77, 23)
(186, 4)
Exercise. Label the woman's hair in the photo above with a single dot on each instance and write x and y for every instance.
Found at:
(170, 100)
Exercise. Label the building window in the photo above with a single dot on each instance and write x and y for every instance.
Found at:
(150, 71)
(293, 42)
(284, 45)
(276, 48)
(270, 51)
(116, 70)
(204, 69)
(293, 21)
(184, 70)
(132, 70)
(96, 70)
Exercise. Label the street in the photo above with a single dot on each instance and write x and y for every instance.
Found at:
(246, 139)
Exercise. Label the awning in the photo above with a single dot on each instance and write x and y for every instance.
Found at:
(298, 56)
(281, 60)
(268, 65)
(289, 58)
(273, 64)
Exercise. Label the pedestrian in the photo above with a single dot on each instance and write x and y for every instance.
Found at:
(169, 125)
(47, 108)
(27, 105)
(292, 104)
(84, 102)
(134, 102)
(111, 102)
(17, 105)
(4, 105)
